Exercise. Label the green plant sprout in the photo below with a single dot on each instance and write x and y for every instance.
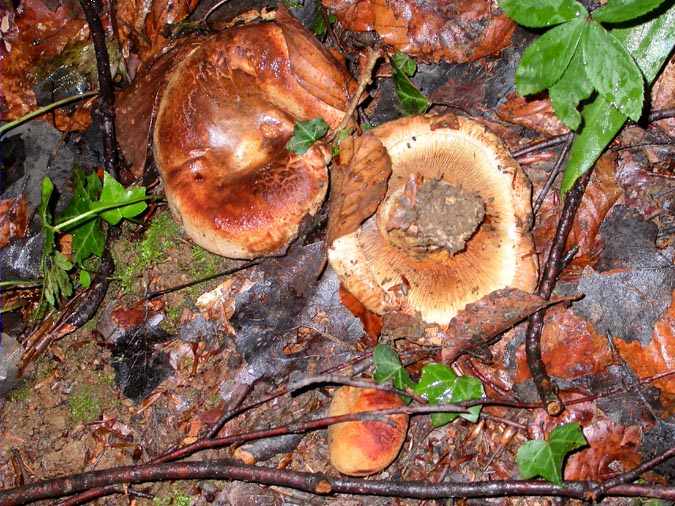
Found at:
(438, 384)
(91, 202)
(411, 99)
(581, 61)
(546, 458)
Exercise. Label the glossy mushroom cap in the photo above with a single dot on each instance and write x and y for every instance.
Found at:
(224, 115)
(367, 446)
(495, 250)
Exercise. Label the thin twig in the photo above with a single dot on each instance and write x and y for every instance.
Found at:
(548, 391)
(365, 78)
(233, 270)
(341, 380)
(92, 11)
(541, 145)
(661, 114)
(557, 169)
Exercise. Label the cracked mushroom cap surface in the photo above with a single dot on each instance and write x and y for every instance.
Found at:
(224, 115)
(453, 226)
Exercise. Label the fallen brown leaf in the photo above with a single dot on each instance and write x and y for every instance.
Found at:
(534, 113)
(480, 322)
(656, 357)
(663, 96)
(141, 24)
(600, 196)
(358, 184)
(571, 347)
(457, 32)
(13, 219)
(613, 448)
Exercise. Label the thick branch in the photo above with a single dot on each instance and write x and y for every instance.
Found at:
(554, 265)
(317, 483)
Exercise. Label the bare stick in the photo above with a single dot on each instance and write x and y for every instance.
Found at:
(322, 484)
(365, 78)
(548, 391)
(92, 11)
(541, 145)
(557, 169)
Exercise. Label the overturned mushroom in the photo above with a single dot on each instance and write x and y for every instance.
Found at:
(366, 446)
(452, 228)
(226, 106)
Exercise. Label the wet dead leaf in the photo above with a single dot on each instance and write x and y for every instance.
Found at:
(663, 96)
(601, 194)
(534, 113)
(39, 34)
(456, 32)
(479, 323)
(658, 355)
(13, 219)
(571, 347)
(613, 449)
(372, 322)
(141, 24)
(630, 289)
(358, 184)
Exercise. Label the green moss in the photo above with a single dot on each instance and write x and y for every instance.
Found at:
(204, 263)
(84, 405)
(20, 393)
(134, 258)
(178, 498)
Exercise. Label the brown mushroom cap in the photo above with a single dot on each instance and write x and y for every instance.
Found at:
(367, 446)
(437, 285)
(223, 119)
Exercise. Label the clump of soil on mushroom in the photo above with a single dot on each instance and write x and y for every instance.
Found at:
(433, 216)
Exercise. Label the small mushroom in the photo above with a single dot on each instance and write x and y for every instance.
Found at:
(365, 447)
(224, 113)
(452, 228)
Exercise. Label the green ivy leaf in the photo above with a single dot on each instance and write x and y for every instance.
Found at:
(540, 13)
(545, 458)
(616, 11)
(545, 60)
(612, 71)
(388, 367)
(411, 99)
(572, 88)
(113, 193)
(440, 385)
(650, 43)
(86, 189)
(306, 133)
(85, 278)
(319, 26)
(88, 239)
(404, 63)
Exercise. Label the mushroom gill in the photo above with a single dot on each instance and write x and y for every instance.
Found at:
(452, 228)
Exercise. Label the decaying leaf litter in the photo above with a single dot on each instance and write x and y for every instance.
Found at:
(151, 372)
